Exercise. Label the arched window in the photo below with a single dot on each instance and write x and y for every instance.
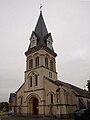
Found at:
(51, 64)
(37, 61)
(46, 62)
(67, 95)
(36, 80)
(51, 95)
(21, 101)
(30, 81)
(30, 63)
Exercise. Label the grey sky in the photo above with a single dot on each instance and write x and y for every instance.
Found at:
(69, 23)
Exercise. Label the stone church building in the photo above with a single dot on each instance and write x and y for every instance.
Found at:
(42, 94)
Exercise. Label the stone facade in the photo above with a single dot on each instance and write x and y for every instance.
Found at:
(41, 93)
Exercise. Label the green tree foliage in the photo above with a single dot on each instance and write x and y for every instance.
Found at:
(4, 106)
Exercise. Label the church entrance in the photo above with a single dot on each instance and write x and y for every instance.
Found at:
(35, 106)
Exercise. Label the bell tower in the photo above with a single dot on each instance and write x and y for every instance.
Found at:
(40, 56)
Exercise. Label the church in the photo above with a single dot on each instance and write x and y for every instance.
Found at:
(41, 93)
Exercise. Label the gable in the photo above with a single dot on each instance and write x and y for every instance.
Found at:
(21, 89)
(49, 86)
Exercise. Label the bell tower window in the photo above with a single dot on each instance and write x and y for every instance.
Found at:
(51, 64)
(37, 61)
(46, 62)
(30, 63)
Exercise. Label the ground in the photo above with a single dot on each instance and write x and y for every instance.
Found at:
(26, 118)
(22, 118)
(18, 118)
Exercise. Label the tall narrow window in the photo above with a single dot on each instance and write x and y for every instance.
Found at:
(30, 63)
(37, 61)
(51, 64)
(21, 99)
(51, 98)
(46, 62)
(30, 81)
(67, 98)
(36, 80)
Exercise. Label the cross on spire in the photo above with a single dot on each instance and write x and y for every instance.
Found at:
(40, 8)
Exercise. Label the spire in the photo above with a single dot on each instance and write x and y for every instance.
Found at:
(40, 36)
(40, 29)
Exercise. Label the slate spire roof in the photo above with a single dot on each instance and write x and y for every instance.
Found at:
(41, 30)
(40, 37)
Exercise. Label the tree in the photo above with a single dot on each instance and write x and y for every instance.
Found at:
(4, 106)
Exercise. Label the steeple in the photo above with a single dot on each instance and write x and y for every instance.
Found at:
(40, 36)
(41, 30)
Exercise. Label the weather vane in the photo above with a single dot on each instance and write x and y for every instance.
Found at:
(40, 8)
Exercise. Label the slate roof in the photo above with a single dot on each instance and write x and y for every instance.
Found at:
(79, 92)
(41, 30)
(20, 87)
(41, 33)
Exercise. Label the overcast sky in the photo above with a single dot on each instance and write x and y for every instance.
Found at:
(69, 23)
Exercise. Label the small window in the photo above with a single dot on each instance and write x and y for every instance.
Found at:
(51, 98)
(30, 81)
(30, 63)
(37, 61)
(46, 62)
(36, 80)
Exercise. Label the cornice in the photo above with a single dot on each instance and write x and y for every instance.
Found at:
(36, 48)
(34, 90)
(40, 67)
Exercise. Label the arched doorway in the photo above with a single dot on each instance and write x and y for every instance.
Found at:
(35, 106)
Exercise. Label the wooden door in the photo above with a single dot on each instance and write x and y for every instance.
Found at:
(35, 106)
